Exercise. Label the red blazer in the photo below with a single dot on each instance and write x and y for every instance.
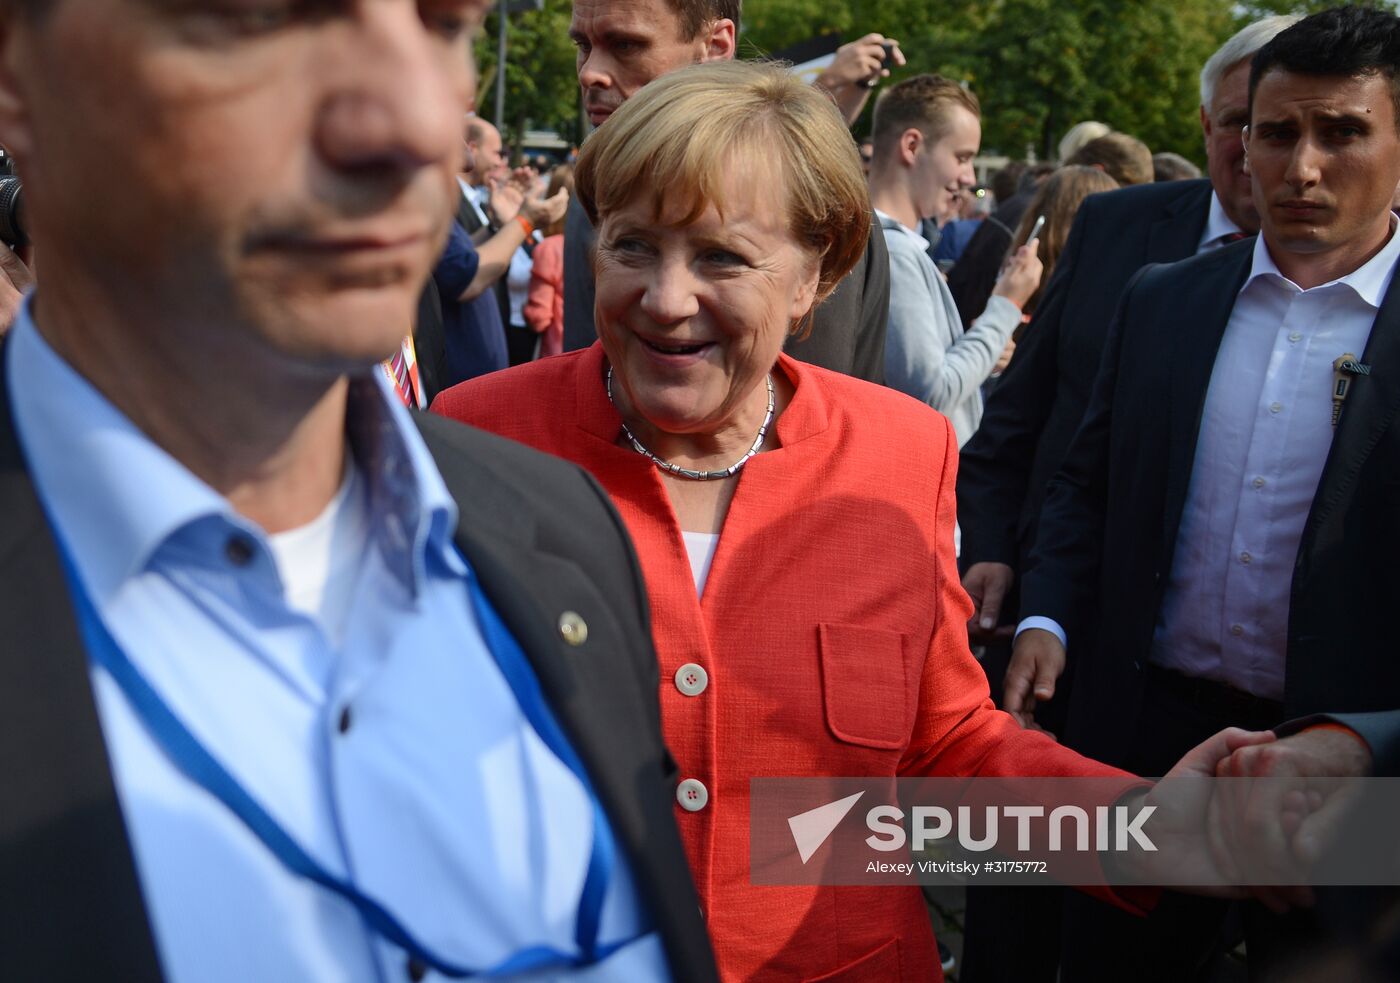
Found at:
(833, 628)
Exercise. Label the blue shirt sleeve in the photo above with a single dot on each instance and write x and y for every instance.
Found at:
(457, 266)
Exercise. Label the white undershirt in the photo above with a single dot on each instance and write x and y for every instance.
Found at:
(700, 547)
(318, 562)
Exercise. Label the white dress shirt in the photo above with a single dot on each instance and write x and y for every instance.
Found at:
(1266, 430)
(1220, 229)
(1265, 434)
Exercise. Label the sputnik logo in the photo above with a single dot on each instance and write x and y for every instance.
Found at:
(812, 828)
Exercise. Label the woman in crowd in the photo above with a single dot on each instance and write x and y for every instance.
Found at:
(544, 310)
(1058, 200)
(795, 526)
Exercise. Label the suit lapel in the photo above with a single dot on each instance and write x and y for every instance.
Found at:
(466, 215)
(1177, 233)
(70, 900)
(1198, 325)
(531, 590)
(1371, 409)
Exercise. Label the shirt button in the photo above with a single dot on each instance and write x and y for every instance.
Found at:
(572, 628)
(417, 969)
(1295, 337)
(343, 724)
(1275, 407)
(692, 679)
(1246, 558)
(1259, 482)
(239, 551)
(1237, 629)
(692, 795)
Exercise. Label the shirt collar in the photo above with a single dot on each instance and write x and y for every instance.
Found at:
(1369, 281)
(893, 223)
(115, 497)
(1218, 224)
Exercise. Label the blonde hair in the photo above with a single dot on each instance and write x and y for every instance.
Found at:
(678, 137)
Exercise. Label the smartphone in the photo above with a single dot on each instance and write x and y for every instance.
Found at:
(885, 61)
(1035, 229)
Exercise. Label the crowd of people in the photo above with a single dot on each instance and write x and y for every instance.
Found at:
(753, 452)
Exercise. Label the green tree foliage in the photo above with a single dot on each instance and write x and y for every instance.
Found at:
(1038, 66)
(541, 84)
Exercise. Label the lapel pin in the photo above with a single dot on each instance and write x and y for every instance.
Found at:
(572, 628)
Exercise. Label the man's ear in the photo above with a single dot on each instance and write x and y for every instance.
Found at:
(1244, 139)
(15, 134)
(911, 141)
(721, 41)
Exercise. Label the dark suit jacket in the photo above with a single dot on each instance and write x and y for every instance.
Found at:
(480, 232)
(544, 539)
(1035, 410)
(1109, 527)
(848, 329)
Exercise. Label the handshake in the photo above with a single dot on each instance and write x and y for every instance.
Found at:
(1250, 814)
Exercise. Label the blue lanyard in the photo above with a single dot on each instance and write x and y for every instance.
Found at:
(195, 761)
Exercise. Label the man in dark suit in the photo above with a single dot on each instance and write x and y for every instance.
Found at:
(848, 329)
(1216, 547)
(1035, 410)
(295, 685)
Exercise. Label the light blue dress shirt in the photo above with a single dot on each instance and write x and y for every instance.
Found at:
(399, 760)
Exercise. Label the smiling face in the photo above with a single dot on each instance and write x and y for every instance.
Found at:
(1222, 122)
(693, 317)
(943, 168)
(624, 44)
(286, 170)
(1325, 156)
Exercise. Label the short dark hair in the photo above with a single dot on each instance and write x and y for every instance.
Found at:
(1347, 42)
(1005, 181)
(923, 103)
(696, 15)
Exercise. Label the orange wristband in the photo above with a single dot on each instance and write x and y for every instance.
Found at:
(525, 224)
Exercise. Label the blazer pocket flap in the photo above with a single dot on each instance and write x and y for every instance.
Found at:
(864, 687)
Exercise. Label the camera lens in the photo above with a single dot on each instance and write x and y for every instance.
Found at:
(12, 213)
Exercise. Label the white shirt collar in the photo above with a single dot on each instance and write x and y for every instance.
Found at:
(1369, 281)
(1218, 225)
(923, 243)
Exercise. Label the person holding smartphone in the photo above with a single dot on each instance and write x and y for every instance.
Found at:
(927, 132)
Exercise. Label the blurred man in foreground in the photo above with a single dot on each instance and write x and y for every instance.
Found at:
(290, 686)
